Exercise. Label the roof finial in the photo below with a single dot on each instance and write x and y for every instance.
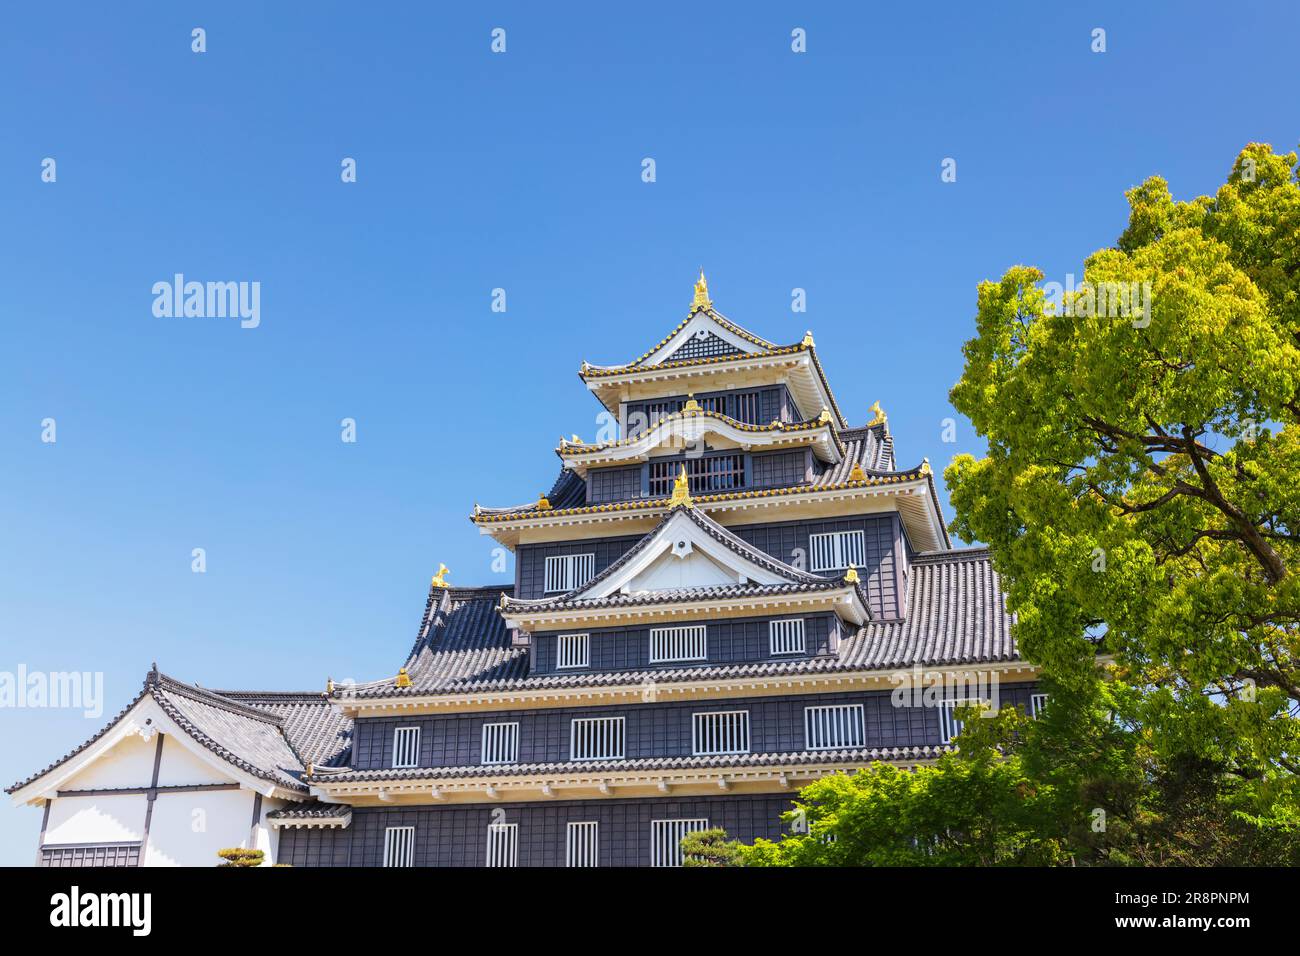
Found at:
(682, 491)
(851, 575)
(440, 579)
(403, 678)
(878, 415)
(925, 466)
(702, 300)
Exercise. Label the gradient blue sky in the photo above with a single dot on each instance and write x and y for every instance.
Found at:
(475, 171)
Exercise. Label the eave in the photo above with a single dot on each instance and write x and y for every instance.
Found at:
(633, 693)
(917, 502)
(606, 783)
(686, 428)
(803, 369)
(846, 602)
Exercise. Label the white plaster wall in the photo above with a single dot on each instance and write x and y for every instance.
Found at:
(181, 768)
(189, 828)
(696, 570)
(128, 763)
(118, 819)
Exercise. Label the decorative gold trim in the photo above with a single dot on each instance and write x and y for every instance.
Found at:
(681, 491)
(692, 407)
(702, 300)
(440, 579)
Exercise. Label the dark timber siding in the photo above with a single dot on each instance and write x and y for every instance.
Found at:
(530, 560)
(776, 725)
(613, 484)
(729, 642)
(456, 835)
(788, 541)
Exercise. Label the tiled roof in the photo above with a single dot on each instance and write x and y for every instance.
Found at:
(589, 371)
(311, 810)
(721, 762)
(269, 735)
(955, 615)
(763, 344)
(567, 447)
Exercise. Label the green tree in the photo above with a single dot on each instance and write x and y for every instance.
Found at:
(1141, 491)
(710, 848)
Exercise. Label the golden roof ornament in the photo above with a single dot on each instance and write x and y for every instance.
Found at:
(878, 415)
(808, 339)
(692, 407)
(329, 685)
(851, 575)
(825, 416)
(440, 579)
(576, 440)
(543, 504)
(856, 473)
(702, 300)
(925, 466)
(403, 678)
(682, 491)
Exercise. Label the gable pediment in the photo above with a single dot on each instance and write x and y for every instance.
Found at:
(702, 336)
(682, 553)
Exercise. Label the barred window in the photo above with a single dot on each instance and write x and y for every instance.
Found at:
(573, 650)
(833, 727)
(786, 637)
(399, 846)
(501, 742)
(689, 642)
(581, 844)
(1036, 704)
(837, 550)
(666, 839)
(949, 725)
(406, 747)
(503, 844)
(568, 571)
(722, 732)
(597, 738)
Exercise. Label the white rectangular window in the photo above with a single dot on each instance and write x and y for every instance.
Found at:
(573, 650)
(666, 839)
(399, 846)
(501, 742)
(786, 637)
(723, 732)
(569, 571)
(581, 844)
(833, 727)
(597, 738)
(406, 747)
(503, 844)
(689, 642)
(949, 725)
(838, 550)
(1036, 704)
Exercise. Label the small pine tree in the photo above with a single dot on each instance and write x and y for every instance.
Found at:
(237, 856)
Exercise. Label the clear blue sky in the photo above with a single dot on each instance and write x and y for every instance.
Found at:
(476, 171)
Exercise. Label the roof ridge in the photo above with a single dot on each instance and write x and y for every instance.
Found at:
(205, 696)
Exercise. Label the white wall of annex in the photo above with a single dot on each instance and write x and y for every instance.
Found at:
(116, 819)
